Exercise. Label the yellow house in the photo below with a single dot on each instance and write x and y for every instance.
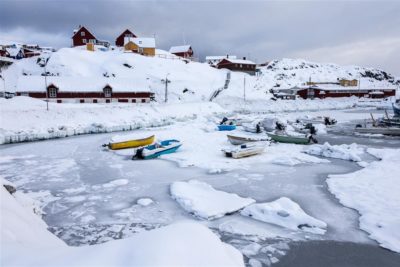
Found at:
(143, 46)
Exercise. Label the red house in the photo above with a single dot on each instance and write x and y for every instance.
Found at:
(121, 38)
(184, 51)
(72, 90)
(317, 91)
(83, 36)
(241, 65)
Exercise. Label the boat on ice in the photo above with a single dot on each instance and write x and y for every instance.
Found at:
(291, 139)
(130, 143)
(226, 127)
(252, 128)
(157, 149)
(395, 131)
(318, 120)
(240, 140)
(396, 109)
(245, 150)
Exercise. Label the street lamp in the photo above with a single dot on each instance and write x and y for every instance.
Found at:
(166, 81)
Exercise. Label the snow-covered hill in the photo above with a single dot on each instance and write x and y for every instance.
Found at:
(190, 81)
(287, 73)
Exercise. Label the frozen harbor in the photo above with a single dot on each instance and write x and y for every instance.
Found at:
(92, 195)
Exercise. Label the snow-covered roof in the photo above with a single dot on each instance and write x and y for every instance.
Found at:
(144, 42)
(76, 84)
(179, 49)
(240, 61)
(220, 57)
(13, 51)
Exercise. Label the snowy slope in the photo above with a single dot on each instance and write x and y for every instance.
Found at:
(189, 81)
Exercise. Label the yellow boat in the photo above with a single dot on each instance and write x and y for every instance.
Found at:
(131, 143)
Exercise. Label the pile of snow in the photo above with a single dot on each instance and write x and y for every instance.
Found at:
(346, 152)
(24, 241)
(202, 200)
(374, 192)
(61, 120)
(286, 213)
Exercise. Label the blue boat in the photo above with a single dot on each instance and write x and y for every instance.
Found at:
(157, 149)
(225, 127)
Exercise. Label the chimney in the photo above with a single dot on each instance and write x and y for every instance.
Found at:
(244, 58)
(227, 56)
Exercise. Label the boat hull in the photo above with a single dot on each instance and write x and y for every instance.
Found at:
(158, 149)
(224, 127)
(289, 139)
(246, 150)
(132, 143)
(238, 140)
(378, 130)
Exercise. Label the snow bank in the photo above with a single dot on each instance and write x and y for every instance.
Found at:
(346, 152)
(286, 213)
(25, 240)
(202, 200)
(374, 192)
(62, 120)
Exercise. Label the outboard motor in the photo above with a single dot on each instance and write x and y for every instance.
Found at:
(225, 119)
(280, 126)
(258, 127)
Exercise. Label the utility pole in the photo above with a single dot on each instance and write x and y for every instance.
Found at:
(45, 83)
(166, 81)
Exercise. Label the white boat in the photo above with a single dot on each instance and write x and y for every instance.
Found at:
(240, 140)
(378, 130)
(245, 150)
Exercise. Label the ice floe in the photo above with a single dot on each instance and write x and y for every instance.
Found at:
(351, 152)
(203, 201)
(286, 213)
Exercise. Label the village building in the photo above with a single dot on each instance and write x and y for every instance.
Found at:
(140, 45)
(83, 36)
(72, 90)
(121, 38)
(4, 52)
(214, 60)
(15, 52)
(184, 51)
(241, 65)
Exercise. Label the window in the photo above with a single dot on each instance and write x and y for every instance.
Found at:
(143, 100)
(94, 100)
(82, 33)
(140, 50)
(52, 92)
(107, 91)
(108, 101)
(82, 101)
(84, 41)
(133, 100)
(92, 41)
(59, 101)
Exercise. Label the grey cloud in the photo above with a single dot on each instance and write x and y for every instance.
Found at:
(259, 29)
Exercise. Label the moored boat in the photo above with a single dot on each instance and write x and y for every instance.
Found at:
(395, 131)
(245, 150)
(239, 140)
(226, 127)
(157, 149)
(130, 143)
(284, 138)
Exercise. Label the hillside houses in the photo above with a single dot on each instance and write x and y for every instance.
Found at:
(120, 40)
(242, 65)
(184, 51)
(140, 45)
(72, 90)
(214, 60)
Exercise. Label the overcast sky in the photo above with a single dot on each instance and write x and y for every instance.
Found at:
(365, 33)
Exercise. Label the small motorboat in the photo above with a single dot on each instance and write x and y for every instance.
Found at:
(316, 120)
(245, 150)
(290, 139)
(157, 149)
(251, 128)
(240, 140)
(226, 127)
(130, 143)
